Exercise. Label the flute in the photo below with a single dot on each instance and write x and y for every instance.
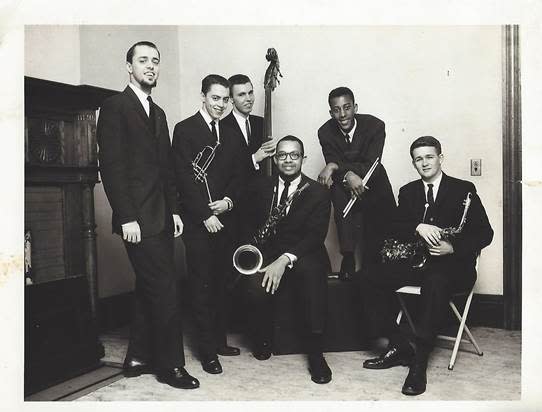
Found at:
(364, 183)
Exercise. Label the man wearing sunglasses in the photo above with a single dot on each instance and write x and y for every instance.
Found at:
(294, 256)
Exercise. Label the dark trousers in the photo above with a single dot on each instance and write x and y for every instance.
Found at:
(438, 281)
(309, 281)
(349, 227)
(209, 262)
(156, 334)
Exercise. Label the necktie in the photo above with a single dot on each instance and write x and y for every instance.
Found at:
(284, 194)
(347, 138)
(247, 127)
(213, 130)
(152, 114)
(430, 198)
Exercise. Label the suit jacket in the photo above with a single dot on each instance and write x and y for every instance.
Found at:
(256, 140)
(477, 232)
(136, 164)
(303, 231)
(358, 156)
(190, 137)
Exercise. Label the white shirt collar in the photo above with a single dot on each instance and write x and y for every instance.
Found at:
(142, 96)
(241, 119)
(350, 134)
(208, 119)
(293, 184)
(436, 185)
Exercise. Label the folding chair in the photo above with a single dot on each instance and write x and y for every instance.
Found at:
(461, 318)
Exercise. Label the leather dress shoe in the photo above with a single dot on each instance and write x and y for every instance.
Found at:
(416, 381)
(228, 351)
(133, 367)
(392, 357)
(212, 366)
(178, 378)
(319, 369)
(262, 351)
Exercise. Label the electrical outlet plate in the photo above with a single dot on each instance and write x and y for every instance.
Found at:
(476, 167)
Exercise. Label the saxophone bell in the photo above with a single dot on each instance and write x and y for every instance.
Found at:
(247, 259)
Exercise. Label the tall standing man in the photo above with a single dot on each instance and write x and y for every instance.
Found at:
(426, 207)
(296, 254)
(351, 142)
(203, 146)
(136, 168)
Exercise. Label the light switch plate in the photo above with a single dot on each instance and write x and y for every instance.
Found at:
(476, 167)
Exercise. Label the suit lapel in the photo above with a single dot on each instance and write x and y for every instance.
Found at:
(297, 199)
(138, 107)
(420, 200)
(203, 125)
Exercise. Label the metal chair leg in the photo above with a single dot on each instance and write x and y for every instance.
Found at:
(463, 320)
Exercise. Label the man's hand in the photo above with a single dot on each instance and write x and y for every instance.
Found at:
(213, 224)
(444, 248)
(267, 149)
(431, 234)
(178, 225)
(354, 183)
(218, 206)
(273, 274)
(131, 232)
(325, 176)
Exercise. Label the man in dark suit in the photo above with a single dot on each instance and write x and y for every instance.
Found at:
(426, 206)
(202, 143)
(295, 256)
(136, 167)
(351, 143)
(248, 127)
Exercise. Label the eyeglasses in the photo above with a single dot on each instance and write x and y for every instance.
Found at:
(284, 155)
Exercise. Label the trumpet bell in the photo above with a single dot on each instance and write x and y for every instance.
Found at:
(247, 259)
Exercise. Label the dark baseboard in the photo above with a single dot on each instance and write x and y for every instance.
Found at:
(487, 310)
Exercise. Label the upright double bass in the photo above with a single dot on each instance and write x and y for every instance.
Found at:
(271, 80)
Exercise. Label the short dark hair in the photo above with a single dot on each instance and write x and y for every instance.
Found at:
(340, 91)
(130, 52)
(426, 141)
(290, 138)
(238, 79)
(211, 79)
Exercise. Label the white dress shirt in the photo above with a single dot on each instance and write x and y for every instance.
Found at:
(350, 135)
(241, 121)
(142, 96)
(436, 185)
(291, 189)
(208, 120)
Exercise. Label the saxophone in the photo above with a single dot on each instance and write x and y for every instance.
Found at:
(248, 259)
(417, 252)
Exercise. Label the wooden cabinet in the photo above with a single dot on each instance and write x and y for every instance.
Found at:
(61, 169)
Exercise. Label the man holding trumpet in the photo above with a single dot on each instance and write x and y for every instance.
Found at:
(207, 163)
(352, 145)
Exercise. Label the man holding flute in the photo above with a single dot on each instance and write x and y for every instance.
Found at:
(351, 144)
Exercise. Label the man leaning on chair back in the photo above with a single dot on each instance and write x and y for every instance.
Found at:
(426, 207)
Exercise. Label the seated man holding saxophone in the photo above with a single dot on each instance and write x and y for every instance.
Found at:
(292, 215)
(439, 229)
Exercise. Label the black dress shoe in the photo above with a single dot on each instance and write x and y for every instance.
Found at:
(392, 357)
(416, 381)
(319, 369)
(133, 367)
(228, 351)
(212, 366)
(178, 378)
(262, 351)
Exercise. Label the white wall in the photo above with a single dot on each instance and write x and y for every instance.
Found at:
(53, 53)
(442, 81)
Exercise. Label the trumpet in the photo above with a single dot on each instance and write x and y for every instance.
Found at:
(364, 182)
(248, 259)
(416, 252)
(201, 163)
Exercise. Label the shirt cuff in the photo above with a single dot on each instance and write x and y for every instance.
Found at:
(255, 163)
(292, 257)
(229, 201)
